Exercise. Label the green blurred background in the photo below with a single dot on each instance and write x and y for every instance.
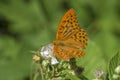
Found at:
(26, 25)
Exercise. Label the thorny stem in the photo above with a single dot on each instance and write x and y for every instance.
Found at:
(36, 75)
(41, 71)
(53, 71)
(46, 72)
(31, 72)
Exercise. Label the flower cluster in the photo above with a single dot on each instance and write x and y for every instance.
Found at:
(48, 54)
(117, 72)
(99, 74)
(51, 68)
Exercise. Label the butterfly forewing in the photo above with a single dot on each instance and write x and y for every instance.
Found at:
(68, 26)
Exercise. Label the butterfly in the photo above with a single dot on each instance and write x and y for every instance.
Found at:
(71, 39)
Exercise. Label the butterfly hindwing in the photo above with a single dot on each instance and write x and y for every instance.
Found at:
(80, 37)
(66, 53)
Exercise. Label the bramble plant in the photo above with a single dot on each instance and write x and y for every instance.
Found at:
(58, 60)
(48, 67)
(25, 25)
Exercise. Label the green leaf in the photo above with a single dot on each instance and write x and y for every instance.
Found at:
(114, 62)
(92, 60)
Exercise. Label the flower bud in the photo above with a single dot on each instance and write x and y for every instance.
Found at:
(115, 76)
(117, 69)
(99, 74)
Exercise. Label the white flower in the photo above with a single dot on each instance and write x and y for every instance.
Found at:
(48, 53)
(54, 61)
(117, 69)
(99, 74)
(115, 76)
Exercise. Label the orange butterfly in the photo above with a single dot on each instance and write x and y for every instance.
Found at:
(70, 39)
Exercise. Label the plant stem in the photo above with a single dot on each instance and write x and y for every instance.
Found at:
(41, 72)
